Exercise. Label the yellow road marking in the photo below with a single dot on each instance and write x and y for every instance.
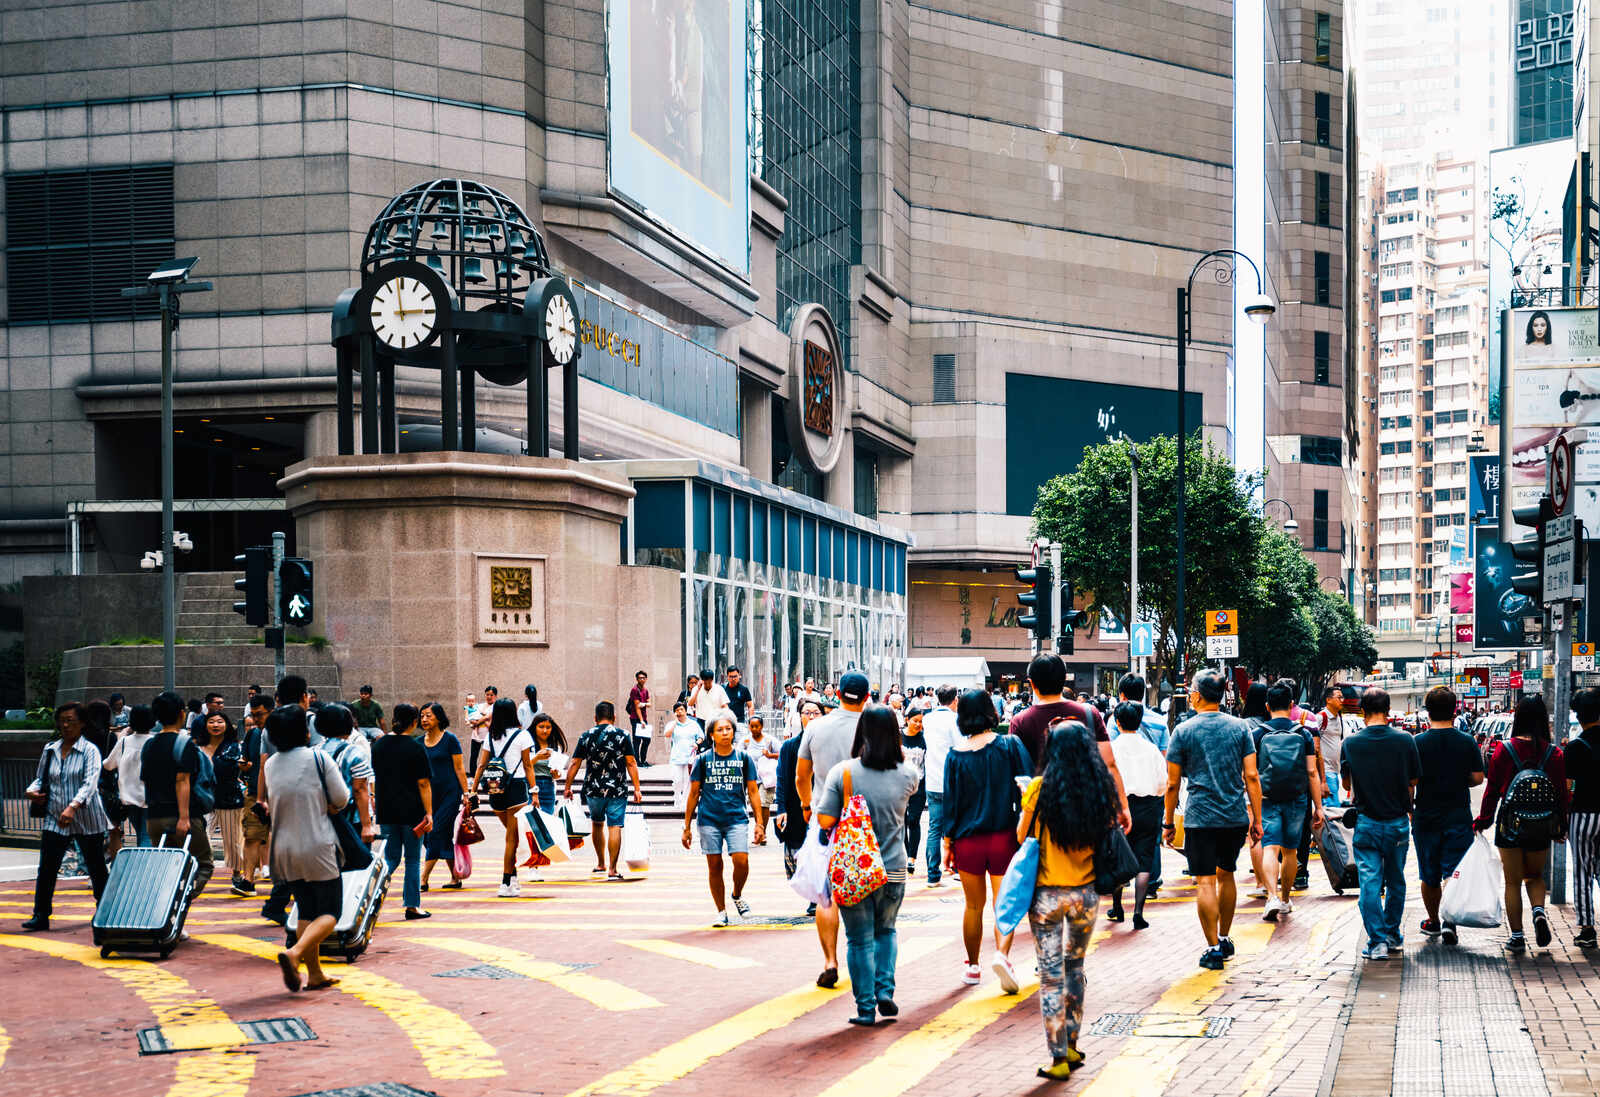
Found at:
(535, 924)
(696, 1050)
(178, 1009)
(690, 953)
(591, 988)
(1147, 1064)
(918, 1053)
(450, 1048)
(5, 1045)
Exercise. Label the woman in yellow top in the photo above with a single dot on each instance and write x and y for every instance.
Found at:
(1069, 808)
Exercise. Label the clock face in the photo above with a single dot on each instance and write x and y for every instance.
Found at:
(819, 389)
(560, 328)
(404, 312)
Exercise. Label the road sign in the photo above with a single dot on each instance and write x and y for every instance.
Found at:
(1222, 647)
(1143, 642)
(1222, 622)
(1561, 474)
(1560, 560)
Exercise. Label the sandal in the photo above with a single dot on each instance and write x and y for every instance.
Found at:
(324, 984)
(291, 972)
(598, 870)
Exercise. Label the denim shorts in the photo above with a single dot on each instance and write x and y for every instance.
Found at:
(733, 838)
(1282, 824)
(1439, 850)
(608, 809)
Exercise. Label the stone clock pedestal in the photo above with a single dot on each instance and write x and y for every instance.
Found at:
(440, 573)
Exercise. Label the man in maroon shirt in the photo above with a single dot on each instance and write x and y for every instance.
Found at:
(639, 715)
(1047, 674)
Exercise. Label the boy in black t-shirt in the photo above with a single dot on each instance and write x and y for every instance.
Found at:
(1441, 824)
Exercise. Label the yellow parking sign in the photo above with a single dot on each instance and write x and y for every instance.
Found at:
(1222, 622)
(1582, 649)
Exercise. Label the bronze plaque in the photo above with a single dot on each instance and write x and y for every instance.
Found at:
(509, 592)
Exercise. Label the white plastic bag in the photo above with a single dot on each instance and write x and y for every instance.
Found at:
(810, 879)
(1473, 894)
(636, 841)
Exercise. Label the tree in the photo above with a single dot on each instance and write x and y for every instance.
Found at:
(1087, 512)
(1344, 641)
(1278, 638)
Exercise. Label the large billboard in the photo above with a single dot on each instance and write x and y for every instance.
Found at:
(1498, 610)
(676, 130)
(1555, 385)
(1528, 185)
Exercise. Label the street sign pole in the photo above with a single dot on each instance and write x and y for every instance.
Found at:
(1055, 595)
(1136, 664)
(1563, 684)
(276, 619)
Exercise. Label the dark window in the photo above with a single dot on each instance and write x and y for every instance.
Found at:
(1324, 280)
(1324, 114)
(1386, 447)
(1320, 357)
(1324, 54)
(1319, 450)
(1324, 198)
(1319, 519)
(76, 239)
(866, 483)
(944, 378)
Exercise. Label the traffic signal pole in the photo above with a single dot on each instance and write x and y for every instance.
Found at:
(1055, 596)
(275, 622)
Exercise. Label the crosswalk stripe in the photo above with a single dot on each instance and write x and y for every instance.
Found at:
(694, 1051)
(694, 955)
(450, 1048)
(178, 1009)
(5, 1045)
(598, 991)
(1147, 1064)
(537, 924)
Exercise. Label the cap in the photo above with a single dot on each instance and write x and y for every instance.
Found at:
(854, 686)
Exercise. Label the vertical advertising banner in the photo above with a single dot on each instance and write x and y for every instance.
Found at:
(1555, 385)
(677, 136)
(1498, 610)
(1528, 186)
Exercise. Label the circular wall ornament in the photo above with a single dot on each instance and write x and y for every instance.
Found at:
(816, 411)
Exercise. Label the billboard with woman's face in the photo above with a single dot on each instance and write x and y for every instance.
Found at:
(1555, 384)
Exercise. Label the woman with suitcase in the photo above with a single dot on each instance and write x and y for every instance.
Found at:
(65, 797)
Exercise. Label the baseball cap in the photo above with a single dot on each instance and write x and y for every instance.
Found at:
(854, 686)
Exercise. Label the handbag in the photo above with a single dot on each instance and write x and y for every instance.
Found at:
(855, 870)
(40, 809)
(1114, 862)
(468, 832)
(353, 852)
(1015, 897)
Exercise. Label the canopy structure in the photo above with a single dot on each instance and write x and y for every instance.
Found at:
(954, 670)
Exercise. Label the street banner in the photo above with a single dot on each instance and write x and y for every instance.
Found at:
(1461, 593)
(1498, 609)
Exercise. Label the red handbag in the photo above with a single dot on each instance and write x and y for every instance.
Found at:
(468, 832)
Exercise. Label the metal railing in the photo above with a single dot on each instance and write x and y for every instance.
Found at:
(16, 774)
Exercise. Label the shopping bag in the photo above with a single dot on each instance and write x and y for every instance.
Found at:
(810, 879)
(468, 832)
(462, 861)
(575, 820)
(636, 841)
(544, 848)
(1016, 888)
(1472, 895)
(856, 869)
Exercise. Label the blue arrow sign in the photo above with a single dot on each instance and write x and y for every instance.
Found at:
(1144, 640)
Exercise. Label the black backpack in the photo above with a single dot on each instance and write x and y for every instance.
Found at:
(1281, 761)
(1528, 812)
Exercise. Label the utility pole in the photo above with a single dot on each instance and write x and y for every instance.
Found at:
(1055, 595)
(275, 611)
(1133, 558)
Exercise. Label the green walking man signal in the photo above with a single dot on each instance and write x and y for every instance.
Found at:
(295, 604)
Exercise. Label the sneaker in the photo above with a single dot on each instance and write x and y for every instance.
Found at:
(1273, 909)
(535, 877)
(1213, 959)
(971, 974)
(1541, 928)
(911, 868)
(1396, 944)
(722, 920)
(741, 906)
(1286, 906)
(241, 886)
(1301, 881)
(1379, 951)
(1586, 938)
(1226, 945)
(1007, 976)
(936, 882)
(1430, 928)
(1517, 944)
(510, 891)
(1258, 893)
(1447, 934)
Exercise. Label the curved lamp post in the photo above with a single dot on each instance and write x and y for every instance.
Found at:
(1289, 525)
(1224, 267)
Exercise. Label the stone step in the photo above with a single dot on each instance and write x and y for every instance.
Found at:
(137, 670)
(219, 634)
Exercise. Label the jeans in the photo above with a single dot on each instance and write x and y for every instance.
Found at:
(52, 847)
(397, 839)
(935, 852)
(1380, 856)
(136, 820)
(1330, 797)
(547, 794)
(871, 946)
(1061, 919)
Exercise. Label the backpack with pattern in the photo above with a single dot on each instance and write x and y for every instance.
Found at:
(855, 868)
(1528, 812)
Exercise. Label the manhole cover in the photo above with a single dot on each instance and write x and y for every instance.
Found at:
(1169, 1025)
(180, 1037)
(375, 1089)
(479, 971)
(806, 919)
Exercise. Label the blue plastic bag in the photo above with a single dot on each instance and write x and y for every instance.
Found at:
(1016, 889)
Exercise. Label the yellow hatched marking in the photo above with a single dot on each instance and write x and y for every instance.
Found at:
(450, 1047)
(1147, 1064)
(604, 993)
(696, 1050)
(692, 954)
(178, 1009)
(5, 1045)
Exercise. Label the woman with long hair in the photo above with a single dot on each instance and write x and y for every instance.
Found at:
(447, 775)
(980, 821)
(503, 768)
(127, 759)
(879, 773)
(548, 741)
(916, 750)
(1523, 844)
(218, 738)
(1069, 809)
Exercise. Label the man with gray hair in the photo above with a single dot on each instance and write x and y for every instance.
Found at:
(1215, 753)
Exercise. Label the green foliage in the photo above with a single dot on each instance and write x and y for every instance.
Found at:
(1276, 632)
(44, 677)
(318, 643)
(1343, 641)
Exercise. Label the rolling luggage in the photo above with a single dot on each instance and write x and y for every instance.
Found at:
(146, 900)
(364, 890)
(1334, 843)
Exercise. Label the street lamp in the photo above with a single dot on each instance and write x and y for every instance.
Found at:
(1224, 263)
(1290, 525)
(167, 282)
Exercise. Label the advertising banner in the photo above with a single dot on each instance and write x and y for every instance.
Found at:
(1461, 593)
(1555, 385)
(677, 135)
(1498, 610)
(1483, 494)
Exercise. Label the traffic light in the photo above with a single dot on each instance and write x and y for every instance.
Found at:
(1071, 618)
(294, 592)
(253, 586)
(1036, 599)
(1529, 552)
